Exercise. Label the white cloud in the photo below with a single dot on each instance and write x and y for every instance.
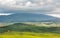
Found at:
(31, 4)
(28, 4)
(23, 3)
(6, 2)
(50, 1)
(57, 10)
(5, 14)
(54, 15)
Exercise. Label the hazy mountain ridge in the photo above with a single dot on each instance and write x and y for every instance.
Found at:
(27, 17)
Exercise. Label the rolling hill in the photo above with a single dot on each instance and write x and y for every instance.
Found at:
(21, 27)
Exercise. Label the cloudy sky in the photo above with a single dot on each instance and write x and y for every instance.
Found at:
(48, 7)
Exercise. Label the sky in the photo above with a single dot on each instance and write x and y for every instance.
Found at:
(47, 7)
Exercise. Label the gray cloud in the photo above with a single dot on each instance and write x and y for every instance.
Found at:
(39, 6)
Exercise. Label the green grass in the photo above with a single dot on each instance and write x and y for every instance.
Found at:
(28, 35)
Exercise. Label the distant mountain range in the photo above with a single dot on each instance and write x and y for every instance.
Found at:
(28, 17)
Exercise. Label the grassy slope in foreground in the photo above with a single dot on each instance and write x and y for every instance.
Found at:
(28, 35)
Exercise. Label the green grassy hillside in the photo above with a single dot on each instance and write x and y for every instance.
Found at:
(21, 27)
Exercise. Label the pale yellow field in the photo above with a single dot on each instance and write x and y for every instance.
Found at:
(28, 35)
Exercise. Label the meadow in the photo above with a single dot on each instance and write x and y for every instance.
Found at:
(28, 35)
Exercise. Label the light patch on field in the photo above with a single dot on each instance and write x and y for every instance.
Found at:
(5, 24)
(44, 24)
